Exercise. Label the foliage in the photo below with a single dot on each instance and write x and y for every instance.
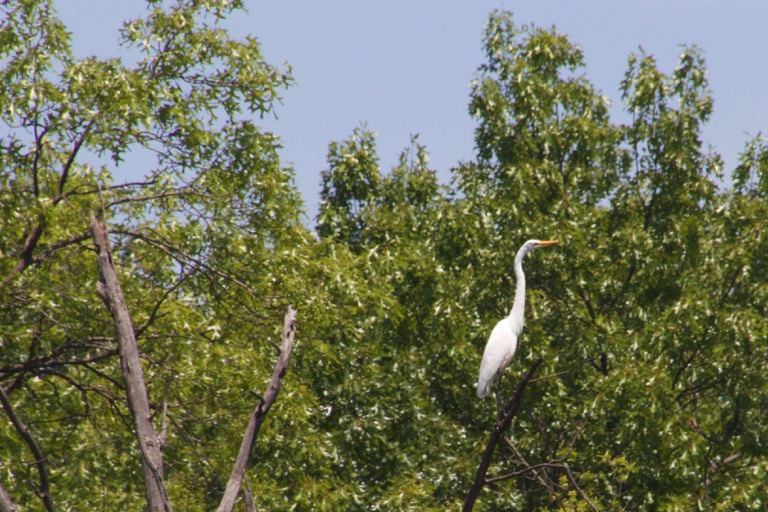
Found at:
(650, 316)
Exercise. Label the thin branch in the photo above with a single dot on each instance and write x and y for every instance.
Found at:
(180, 192)
(510, 411)
(564, 372)
(259, 414)
(576, 486)
(156, 308)
(542, 477)
(46, 253)
(184, 258)
(45, 362)
(26, 259)
(70, 161)
(553, 464)
(543, 465)
(36, 161)
(41, 462)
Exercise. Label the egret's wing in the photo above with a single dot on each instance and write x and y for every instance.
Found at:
(497, 355)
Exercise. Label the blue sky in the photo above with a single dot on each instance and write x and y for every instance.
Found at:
(404, 67)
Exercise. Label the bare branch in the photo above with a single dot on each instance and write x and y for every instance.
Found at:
(259, 414)
(250, 505)
(164, 424)
(6, 505)
(133, 374)
(510, 411)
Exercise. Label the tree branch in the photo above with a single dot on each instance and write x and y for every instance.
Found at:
(510, 411)
(184, 258)
(41, 462)
(48, 362)
(26, 259)
(259, 414)
(6, 505)
(70, 161)
(133, 374)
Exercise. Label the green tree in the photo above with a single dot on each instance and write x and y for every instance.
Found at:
(196, 242)
(637, 317)
(649, 318)
(350, 187)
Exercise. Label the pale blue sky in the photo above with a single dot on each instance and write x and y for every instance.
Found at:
(404, 67)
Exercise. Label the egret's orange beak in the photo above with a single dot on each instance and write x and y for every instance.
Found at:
(547, 242)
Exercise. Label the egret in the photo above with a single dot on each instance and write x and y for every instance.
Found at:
(502, 343)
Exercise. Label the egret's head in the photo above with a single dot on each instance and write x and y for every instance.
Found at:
(538, 244)
(530, 245)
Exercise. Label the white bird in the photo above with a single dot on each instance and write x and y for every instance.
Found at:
(502, 343)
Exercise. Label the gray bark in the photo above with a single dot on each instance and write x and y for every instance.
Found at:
(136, 388)
(6, 505)
(258, 415)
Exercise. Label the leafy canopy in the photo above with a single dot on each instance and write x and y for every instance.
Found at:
(650, 316)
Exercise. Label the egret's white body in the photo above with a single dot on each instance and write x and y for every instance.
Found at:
(502, 343)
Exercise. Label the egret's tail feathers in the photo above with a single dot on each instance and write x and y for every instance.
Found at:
(483, 388)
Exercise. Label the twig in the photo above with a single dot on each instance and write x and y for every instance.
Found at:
(576, 486)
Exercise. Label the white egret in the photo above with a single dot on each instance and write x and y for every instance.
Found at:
(502, 343)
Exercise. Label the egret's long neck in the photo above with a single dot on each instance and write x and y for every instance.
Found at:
(518, 307)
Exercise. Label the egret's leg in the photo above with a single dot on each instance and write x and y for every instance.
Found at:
(499, 404)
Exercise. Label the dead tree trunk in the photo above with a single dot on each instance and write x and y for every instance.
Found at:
(510, 411)
(150, 446)
(258, 415)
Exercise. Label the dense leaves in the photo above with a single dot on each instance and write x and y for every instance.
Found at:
(650, 316)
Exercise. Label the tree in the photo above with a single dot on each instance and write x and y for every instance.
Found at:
(213, 189)
(639, 311)
(350, 186)
(645, 327)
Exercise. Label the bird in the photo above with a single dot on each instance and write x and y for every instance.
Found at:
(502, 343)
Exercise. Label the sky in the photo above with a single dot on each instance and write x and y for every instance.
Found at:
(402, 67)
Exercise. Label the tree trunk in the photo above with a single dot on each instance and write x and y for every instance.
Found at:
(258, 415)
(136, 388)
